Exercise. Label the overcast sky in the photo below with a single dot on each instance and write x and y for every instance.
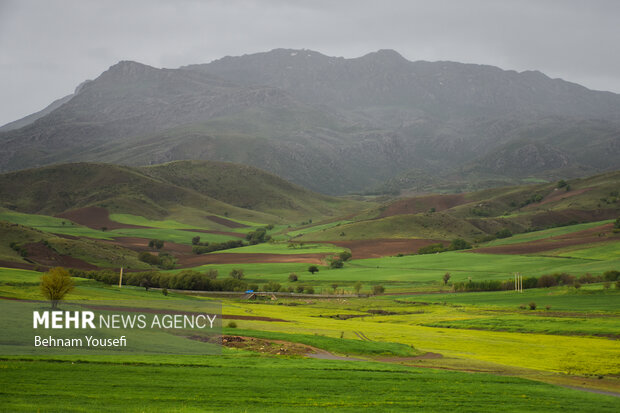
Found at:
(48, 47)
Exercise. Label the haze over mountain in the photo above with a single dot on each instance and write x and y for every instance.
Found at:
(331, 124)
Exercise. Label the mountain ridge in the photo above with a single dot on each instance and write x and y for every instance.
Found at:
(330, 124)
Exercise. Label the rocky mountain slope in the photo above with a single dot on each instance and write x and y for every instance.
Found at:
(331, 124)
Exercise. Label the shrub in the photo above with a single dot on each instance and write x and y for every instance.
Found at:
(611, 275)
(237, 274)
(547, 307)
(522, 307)
(459, 244)
(588, 278)
(164, 291)
(299, 289)
(205, 247)
(309, 290)
(336, 263)
(257, 237)
(530, 282)
(606, 285)
(532, 305)
(486, 285)
(546, 281)
(231, 324)
(577, 285)
(503, 233)
(292, 277)
(446, 278)
(357, 286)
(149, 258)
(345, 255)
(432, 249)
(564, 279)
(273, 286)
(156, 243)
(618, 285)
(312, 269)
(378, 289)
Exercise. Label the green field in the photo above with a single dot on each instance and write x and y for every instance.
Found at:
(243, 382)
(421, 346)
(553, 232)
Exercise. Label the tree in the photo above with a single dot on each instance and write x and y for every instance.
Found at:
(212, 274)
(431, 249)
(345, 255)
(312, 269)
(237, 274)
(292, 277)
(378, 289)
(357, 287)
(617, 224)
(446, 278)
(257, 237)
(459, 244)
(145, 283)
(55, 284)
(196, 240)
(156, 243)
(503, 233)
(336, 263)
(334, 286)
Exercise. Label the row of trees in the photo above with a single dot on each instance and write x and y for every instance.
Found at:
(544, 281)
(204, 248)
(456, 244)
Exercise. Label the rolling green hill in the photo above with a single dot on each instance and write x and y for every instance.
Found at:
(477, 215)
(185, 189)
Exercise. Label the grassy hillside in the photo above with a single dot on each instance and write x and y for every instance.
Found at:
(477, 215)
(32, 248)
(193, 188)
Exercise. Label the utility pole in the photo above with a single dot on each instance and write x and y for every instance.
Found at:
(120, 279)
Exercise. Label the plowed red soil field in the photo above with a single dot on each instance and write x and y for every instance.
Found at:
(226, 222)
(376, 248)
(94, 217)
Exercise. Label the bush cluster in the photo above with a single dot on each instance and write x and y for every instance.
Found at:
(257, 237)
(163, 260)
(455, 245)
(205, 247)
(544, 281)
(184, 280)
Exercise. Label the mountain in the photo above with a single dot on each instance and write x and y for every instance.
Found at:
(331, 124)
(183, 189)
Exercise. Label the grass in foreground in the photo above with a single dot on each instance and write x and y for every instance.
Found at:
(247, 383)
